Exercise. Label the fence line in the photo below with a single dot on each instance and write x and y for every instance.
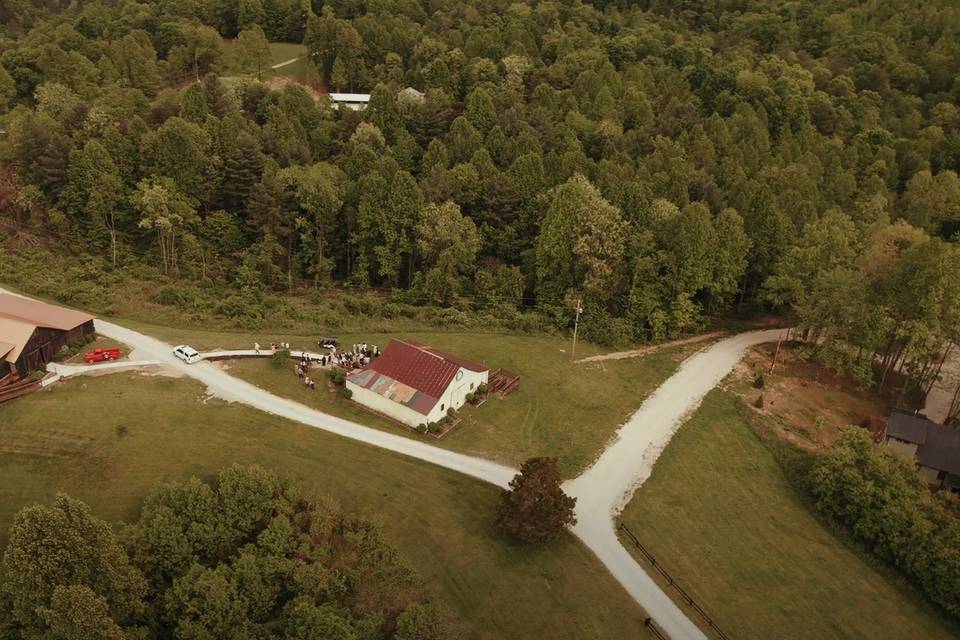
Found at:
(654, 629)
(673, 583)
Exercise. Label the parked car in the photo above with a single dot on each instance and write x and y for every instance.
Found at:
(102, 355)
(328, 342)
(186, 353)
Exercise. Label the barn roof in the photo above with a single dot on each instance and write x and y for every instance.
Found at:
(412, 373)
(41, 314)
(5, 348)
(15, 333)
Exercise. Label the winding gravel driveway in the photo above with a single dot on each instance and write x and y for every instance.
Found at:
(602, 491)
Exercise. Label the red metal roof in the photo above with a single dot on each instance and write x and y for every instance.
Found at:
(463, 362)
(415, 367)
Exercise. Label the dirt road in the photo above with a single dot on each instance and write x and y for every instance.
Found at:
(601, 491)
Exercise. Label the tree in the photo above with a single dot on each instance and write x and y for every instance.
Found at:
(77, 613)
(8, 89)
(318, 191)
(62, 546)
(448, 244)
(929, 200)
(164, 210)
(254, 49)
(581, 245)
(95, 189)
(536, 509)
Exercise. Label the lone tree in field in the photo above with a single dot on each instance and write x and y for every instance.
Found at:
(536, 509)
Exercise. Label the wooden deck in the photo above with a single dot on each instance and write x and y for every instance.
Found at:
(502, 383)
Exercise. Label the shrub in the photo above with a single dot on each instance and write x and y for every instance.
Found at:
(759, 382)
(422, 429)
(344, 393)
(881, 500)
(758, 403)
(280, 358)
(433, 427)
(122, 430)
(470, 398)
(451, 412)
(338, 376)
(481, 390)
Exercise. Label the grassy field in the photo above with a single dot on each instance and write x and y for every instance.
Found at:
(721, 516)
(563, 409)
(66, 439)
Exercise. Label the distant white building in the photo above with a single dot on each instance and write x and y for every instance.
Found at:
(354, 101)
(414, 383)
(412, 95)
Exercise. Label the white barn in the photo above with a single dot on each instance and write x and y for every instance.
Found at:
(354, 101)
(414, 383)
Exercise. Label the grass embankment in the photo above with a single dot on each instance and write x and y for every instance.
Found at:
(722, 517)
(561, 409)
(67, 439)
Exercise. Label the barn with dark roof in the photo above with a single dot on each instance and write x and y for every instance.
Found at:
(414, 383)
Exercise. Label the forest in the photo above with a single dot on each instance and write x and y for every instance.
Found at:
(667, 163)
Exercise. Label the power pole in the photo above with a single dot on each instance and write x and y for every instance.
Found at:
(576, 325)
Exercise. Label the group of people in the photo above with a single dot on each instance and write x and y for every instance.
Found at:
(359, 355)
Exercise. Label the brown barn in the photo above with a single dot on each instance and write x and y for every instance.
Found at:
(32, 332)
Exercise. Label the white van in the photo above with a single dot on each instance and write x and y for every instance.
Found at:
(186, 353)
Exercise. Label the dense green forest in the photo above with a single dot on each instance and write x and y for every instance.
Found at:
(667, 162)
(248, 558)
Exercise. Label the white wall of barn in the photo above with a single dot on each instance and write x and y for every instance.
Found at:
(455, 395)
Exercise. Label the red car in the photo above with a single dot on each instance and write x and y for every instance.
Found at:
(102, 355)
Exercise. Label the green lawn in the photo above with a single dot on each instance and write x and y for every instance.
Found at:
(66, 439)
(562, 409)
(720, 515)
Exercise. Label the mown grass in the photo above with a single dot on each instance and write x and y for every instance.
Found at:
(721, 516)
(68, 439)
(564, 409)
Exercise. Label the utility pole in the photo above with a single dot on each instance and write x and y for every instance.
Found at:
(576, 325)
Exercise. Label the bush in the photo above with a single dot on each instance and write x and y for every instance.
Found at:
(470, 398)
(422, 428)
(433, 427)
(344, 393)
(451, 412)
(122, 430)
(338, 376)
(758, 403)
(481, 390)
(759, 382)
(280, 358)
(881, 500)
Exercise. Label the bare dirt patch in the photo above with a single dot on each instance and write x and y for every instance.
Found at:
(807, 403)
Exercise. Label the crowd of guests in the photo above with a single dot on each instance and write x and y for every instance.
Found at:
(359, 355)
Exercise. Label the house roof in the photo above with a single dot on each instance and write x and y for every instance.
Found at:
(412, 373)
(41, 314)
(941, 450)
(906, 427)
(938, 446)
(15, 333)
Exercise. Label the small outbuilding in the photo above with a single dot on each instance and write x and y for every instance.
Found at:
(353, 101)
(414, 383)
(32, 332)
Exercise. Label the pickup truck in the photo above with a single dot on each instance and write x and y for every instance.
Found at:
(102, 355)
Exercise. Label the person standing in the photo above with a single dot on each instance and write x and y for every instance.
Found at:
(256, 347)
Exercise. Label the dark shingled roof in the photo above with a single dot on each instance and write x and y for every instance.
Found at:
(941, 450)
(907, 427)
(938, 446)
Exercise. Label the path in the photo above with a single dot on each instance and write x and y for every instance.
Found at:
(284, 63)
(642, 351)
(607, 486)
(601, 491)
